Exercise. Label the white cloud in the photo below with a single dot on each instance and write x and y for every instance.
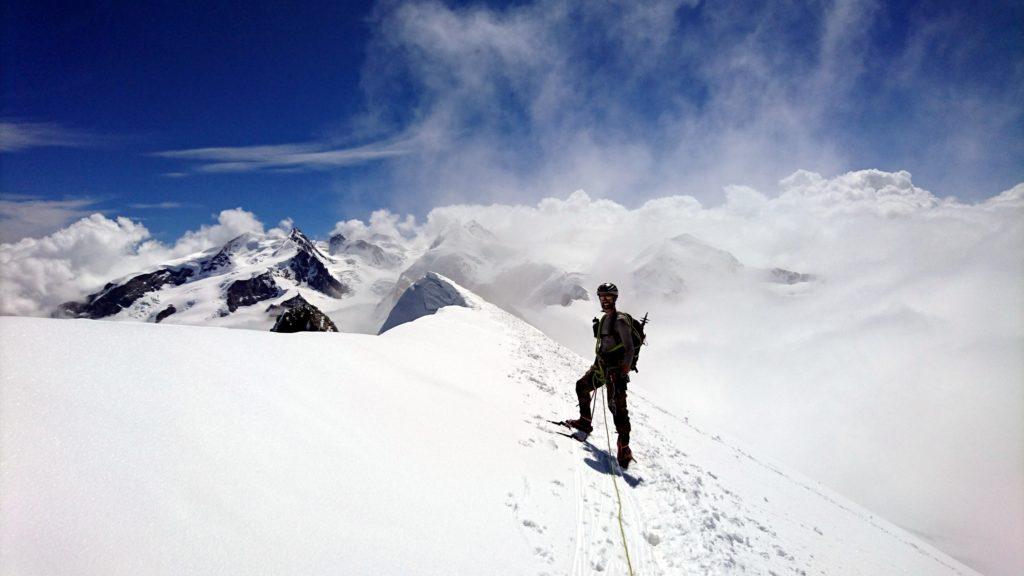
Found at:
(158, 206)
(537, 99)
(513, 105)
(897, 377)
(230, 223)
(23, 216)
(381, 222)
(285, 157)
(38, 274)
(16, 136)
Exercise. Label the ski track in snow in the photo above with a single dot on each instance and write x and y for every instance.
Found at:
(677, 516)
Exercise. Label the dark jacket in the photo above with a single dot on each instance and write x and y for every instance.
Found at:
(609, 346)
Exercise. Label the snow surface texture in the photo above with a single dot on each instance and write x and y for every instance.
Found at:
(178, 449)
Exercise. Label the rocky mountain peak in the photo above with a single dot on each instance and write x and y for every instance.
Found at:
(303, 317)
(336, 244)
(303, 242)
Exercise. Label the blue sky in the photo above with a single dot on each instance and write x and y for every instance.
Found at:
(170, 112)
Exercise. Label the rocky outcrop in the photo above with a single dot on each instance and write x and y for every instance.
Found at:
(293, 302)
(304, 244)
(424, 297)
(223, 258)
(307, 266)
(336, 244)
(303, 318)
(783, 276)
(248, 292)
(116, 297)
(165, 313)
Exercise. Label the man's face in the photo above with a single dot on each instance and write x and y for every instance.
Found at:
(607, 301)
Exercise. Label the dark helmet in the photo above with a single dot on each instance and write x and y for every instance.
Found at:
(608, 288)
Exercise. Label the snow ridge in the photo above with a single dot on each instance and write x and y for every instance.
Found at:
(274, 451)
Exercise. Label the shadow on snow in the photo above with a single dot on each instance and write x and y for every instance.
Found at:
(605, 463)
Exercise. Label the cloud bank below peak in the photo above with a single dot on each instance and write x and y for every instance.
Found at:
(37, 274)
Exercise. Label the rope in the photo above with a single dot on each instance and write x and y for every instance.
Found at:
(608, 437)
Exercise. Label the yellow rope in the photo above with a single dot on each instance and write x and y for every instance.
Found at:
(615, 483)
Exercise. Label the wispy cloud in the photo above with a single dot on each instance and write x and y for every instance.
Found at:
(160, 206)
(666, 97)
(24, 216)
(16, 136)
(284, 157)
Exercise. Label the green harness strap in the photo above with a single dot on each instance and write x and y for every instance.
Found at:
(600, 332)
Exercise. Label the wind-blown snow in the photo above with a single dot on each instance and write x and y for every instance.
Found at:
(179, 449)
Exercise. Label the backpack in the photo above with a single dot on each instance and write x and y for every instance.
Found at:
(636, 331)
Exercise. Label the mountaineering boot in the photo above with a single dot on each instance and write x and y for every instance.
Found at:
(582, 424)
(625, 455)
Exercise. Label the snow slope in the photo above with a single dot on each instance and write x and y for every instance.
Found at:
(168, 449)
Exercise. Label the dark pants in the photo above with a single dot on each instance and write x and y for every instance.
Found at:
(616, 388)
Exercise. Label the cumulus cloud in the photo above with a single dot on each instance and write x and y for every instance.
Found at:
(230, 223)
(37, 274)
(896, 376)
(381, 222)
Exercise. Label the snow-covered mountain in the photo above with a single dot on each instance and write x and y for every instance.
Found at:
(246, 283)
(421, 451)
(356, 282)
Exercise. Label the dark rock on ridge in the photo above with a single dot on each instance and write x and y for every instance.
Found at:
(783, 276)
(116, 297)
(293, 302)
(303, 318)
(336, 244)
(248, 292)
(307, 266)
(165, 313)
(222, 259)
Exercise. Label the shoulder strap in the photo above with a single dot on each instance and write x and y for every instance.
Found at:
(615, 330)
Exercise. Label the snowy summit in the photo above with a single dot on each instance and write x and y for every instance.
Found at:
(426, 450)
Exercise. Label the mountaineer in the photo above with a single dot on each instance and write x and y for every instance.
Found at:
(616, 350)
